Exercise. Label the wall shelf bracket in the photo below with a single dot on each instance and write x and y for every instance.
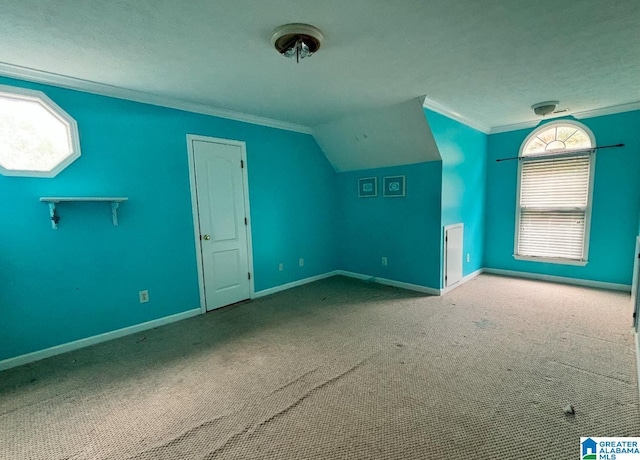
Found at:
(54, 216)
(114, 212)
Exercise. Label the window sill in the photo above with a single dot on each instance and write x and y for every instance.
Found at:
(552, 260)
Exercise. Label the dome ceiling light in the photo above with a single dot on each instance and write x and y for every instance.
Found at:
(297, 40)
(544, 108)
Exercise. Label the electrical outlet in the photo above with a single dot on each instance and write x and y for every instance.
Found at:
(468, 257)
(301, 262)
(384, 261)
(280, 266)
(144, 296)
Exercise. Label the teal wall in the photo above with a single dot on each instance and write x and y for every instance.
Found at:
(464, 169)
(84, 278)
(293, 195)
(616, 201)
(405, 230)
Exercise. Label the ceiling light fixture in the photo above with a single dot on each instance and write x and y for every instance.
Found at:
(544, 108)
(297, 40)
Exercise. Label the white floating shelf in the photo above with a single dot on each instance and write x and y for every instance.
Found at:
(54, 200)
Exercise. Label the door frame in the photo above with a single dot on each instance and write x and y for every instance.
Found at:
(446, 228)
(194, 207)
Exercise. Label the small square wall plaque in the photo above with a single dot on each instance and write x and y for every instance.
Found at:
(394, 186)
(368, 187)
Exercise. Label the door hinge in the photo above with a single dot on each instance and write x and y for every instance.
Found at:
(249, 275)
(241, 163)
(245, 221)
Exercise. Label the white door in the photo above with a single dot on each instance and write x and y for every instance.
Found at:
(220, 187)
(453, 254)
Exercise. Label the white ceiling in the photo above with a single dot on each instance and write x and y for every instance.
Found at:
(486, 61)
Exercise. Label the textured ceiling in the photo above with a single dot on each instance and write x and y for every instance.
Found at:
(485, 60)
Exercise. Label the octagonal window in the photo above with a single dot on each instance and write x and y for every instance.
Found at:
(37, 138)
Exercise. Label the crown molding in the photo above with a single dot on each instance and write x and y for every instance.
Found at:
(522, 125)
(611, 110)
(443, 110)
(101, 89)
(602, 111)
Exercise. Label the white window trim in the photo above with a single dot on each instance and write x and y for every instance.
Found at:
(552, 260)
(587, 212)
(25, 94)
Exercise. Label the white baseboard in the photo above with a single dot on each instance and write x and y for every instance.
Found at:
(560, 279)
(65, 347)
(293, 284)
(387, 282)
(469, 277)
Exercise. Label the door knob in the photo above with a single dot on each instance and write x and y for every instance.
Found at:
(206, 237)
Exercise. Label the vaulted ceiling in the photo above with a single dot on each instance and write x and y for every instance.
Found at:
(484, 62)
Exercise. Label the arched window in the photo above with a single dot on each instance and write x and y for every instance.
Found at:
(37, 138)
(554, 194)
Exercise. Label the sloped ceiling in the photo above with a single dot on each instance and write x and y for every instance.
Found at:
(387, 136)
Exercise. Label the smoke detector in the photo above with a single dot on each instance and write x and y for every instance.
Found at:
(297, 40)
(544, 108)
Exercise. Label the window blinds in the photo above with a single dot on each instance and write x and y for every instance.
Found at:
(554, 196)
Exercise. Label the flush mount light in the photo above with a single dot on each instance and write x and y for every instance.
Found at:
(544, 108)
(297, 40)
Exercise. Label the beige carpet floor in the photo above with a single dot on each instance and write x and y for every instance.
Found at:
(342, 369)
